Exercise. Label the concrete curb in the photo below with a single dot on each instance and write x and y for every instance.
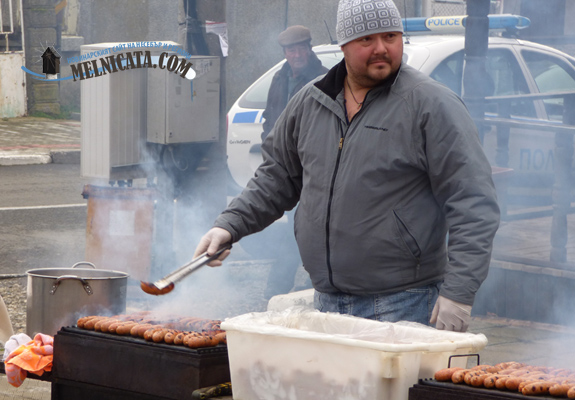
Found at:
(52, 157)
(65, 156)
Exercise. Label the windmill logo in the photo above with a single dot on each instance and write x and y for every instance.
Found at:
(51, 62)
(50, 59)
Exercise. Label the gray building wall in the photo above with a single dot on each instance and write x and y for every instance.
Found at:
(99, 21)
(253, 28)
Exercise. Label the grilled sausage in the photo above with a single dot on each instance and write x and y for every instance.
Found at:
(513, 383)
(458, 376)
(561, 372)
(196, 340)
(125, 328)
(200, 341)
(469, 375)
(148, 334)
(169, 336)
(534, 378)
(135, 328)
(509, 365)
(98, 324)
(500, 383)
(105, 325)
(179, 338)
(114, 325)
(560, 389)
(143, 329)
(158, 335)
(484, 368)
(82, 321)
(189, 336)
(537, 388)
(445, 374)
(92, 322)
(477, 380)
(489, 381)
(213, 340)
(521, 371)
(222, 338)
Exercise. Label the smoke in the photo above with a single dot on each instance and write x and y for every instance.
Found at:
(210, 292)
(525, 192)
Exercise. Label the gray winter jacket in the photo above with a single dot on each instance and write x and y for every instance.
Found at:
(377, 195)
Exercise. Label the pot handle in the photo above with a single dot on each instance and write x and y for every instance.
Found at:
(84, 263)
(85, 284)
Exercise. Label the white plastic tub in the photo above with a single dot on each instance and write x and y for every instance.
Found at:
(301, 354)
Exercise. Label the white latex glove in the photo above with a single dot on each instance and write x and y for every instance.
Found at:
(211, 242)
(450, 315)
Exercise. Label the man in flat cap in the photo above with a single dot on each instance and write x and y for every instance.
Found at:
(302, 65)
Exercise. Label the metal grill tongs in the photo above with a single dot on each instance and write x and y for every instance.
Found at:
(167, 283)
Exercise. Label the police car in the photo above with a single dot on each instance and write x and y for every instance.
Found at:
(514, 67)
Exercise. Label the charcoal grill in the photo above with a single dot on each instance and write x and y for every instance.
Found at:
(430, 389)
(95, 365)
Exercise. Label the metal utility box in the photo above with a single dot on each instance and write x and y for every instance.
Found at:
(113, 113)
(146, 101)
(181, 110)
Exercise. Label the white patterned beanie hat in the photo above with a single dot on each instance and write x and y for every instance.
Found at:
(358, 18)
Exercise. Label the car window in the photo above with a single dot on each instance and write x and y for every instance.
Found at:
(449, 72)
(551, 74)
(257, 95)
(507, 78)
(504, 77)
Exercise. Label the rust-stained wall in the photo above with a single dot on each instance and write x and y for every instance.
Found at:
(12, 85)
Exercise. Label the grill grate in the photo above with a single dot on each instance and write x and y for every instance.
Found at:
(96, 363)
(434, 390)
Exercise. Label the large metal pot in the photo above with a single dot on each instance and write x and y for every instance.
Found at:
(57, 297)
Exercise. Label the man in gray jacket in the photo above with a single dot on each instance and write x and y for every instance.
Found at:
(397, 208)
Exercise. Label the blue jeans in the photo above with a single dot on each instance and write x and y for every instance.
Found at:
(409, 305)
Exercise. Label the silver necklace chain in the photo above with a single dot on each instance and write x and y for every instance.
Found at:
(359, 104)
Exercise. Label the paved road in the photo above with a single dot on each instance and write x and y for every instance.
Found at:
(42, 217)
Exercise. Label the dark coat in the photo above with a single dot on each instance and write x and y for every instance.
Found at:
(278, 92)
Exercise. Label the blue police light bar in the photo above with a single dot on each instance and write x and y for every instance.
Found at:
(456, 24)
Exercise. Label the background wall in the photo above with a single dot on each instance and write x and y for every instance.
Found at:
(253, 27)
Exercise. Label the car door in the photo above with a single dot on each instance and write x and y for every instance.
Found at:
(550, 73)
(528, 152)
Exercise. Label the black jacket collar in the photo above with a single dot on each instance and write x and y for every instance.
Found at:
(332, 83)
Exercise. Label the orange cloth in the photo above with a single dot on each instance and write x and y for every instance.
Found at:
(35, 357)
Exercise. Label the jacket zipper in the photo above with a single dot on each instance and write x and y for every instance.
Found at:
(331, 190)
(328, 216)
